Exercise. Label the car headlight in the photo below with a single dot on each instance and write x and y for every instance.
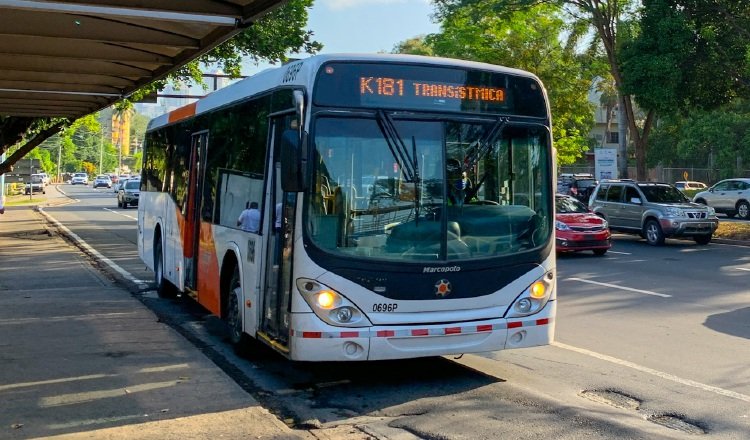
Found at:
(560, 226)
(711, 211)
(534, 298)
(674, 212)
(605, 225)
(331, 306)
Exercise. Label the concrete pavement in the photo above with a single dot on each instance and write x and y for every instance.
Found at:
(81, 358)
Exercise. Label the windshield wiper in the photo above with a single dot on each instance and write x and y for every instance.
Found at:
(483, 145)
(407, 162)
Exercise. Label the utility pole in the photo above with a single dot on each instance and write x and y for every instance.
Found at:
(101, 151)
(59, 161)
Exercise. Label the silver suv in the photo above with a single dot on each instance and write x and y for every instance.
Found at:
(653, 210)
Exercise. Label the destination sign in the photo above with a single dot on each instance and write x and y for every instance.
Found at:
(398, 87)
(432, 88)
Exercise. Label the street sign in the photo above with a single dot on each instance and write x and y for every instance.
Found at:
(26, 164)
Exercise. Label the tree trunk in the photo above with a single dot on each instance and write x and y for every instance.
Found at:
(7, 166)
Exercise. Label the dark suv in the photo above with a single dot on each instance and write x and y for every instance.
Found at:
(653, 210)
(579, 186)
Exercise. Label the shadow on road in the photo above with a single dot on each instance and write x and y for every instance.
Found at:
(734, 323)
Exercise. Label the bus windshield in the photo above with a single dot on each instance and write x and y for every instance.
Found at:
(456, 189)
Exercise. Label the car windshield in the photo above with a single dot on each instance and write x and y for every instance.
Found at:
(132, 184)
(663, 194)
(587, 183)
(568, 205)
(466, 195)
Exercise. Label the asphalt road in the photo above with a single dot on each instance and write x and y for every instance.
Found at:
(651, 343)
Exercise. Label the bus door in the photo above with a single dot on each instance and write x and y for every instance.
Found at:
(191, 209)
(281, 208)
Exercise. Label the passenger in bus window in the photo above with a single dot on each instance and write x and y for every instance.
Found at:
(250, 218)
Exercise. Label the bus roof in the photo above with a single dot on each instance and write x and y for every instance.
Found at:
(304, 72)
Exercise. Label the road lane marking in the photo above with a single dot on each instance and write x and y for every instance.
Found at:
(163, 368)
(96, 316)
(119, 213)
(90, 396)
(615, 286)
(620, 253)
(743, 268)
(53, 381)
(127, 275)
(657, 373)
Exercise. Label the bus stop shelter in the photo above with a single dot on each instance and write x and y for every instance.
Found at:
(71, 58)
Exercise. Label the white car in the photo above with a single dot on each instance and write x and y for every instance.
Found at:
(690, 185)
(45, 178)
(730, 197)
(80, 178)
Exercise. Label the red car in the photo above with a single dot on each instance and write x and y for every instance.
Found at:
(578, 229)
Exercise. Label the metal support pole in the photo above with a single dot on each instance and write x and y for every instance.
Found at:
(101, 152)
(59, 162)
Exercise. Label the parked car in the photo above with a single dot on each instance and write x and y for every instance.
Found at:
(103, 180)
(579, 186)
(653, 210)
(729, 196)
(690, 185)
(128, 193)
(120, 182)
(36, 184)
(45, 178)
(578, 229)
(80, 178)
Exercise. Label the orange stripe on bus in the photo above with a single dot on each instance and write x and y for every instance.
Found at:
(182, 112)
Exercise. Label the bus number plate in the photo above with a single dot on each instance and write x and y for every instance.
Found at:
(384, 307)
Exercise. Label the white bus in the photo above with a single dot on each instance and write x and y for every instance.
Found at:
(406, 207)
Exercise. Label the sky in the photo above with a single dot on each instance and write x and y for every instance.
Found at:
(366, 26)
(344, 26)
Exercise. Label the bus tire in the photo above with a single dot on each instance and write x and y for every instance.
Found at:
(164, 288)
(233, 315)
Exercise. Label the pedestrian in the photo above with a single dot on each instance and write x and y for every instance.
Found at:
(250, 218)
(2, 207)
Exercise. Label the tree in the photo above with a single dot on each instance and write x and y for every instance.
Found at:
(718, 138)
(604, 17)
(529, 39)
(414, 46)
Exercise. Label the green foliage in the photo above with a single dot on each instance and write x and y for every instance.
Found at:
(688, 54)
(719, 137)
(45, 158)
(414, 46)
(532, 39)
(269, 39)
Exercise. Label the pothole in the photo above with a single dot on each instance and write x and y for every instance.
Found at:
(676, 422)
(615, 398)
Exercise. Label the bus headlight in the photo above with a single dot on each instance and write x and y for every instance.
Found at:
(534, 298)
(331, 306)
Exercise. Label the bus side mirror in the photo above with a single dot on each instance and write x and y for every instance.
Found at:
(292, 176)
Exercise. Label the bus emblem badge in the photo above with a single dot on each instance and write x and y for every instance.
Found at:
(443, 288)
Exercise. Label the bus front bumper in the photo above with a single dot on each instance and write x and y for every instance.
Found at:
(314, 340)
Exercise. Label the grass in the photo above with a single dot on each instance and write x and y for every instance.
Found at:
(24, 201)
(733, 231)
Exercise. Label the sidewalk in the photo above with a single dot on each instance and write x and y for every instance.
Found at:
(80, 358)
